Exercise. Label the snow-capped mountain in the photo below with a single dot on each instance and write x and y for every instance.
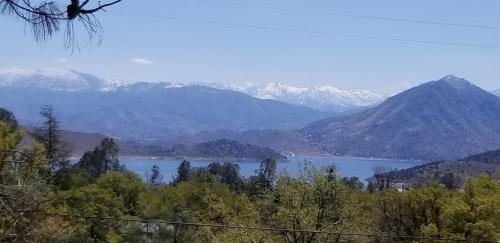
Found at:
(142, 110)
(55, 79)
(326, 98)
(49, 78)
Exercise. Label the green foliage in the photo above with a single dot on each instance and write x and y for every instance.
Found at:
(9, 118)
(227, 173)
(314, 201)
(49, 134)
(155, 178)
(432, 211)
(23, 188)
(102, 160)
(407, 213)
(8, 138)
(353, 182)
(127, 186)
(450, 181)
(198, 202)
(184, 172)
(113, 195)
(71, 177)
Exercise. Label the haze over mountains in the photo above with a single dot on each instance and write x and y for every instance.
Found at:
(143, 110)
(445, 119)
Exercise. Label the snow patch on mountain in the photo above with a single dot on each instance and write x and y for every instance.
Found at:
(49, 78)
(326, 98)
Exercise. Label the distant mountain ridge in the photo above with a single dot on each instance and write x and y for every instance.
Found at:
(326, 98)
(141, 110)
(445, 119)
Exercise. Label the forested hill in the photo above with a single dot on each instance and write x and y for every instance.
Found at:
(222, 148)
(451, 171)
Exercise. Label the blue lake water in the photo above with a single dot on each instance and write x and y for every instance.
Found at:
(359, 167)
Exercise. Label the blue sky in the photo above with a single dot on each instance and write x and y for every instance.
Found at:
(141, 44)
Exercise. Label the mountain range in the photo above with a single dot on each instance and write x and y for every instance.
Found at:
(325, 98)
(142, 110)
(445, 119)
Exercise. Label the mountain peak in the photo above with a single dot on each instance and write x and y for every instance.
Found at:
(456, 82)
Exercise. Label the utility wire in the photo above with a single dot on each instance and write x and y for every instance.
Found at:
(155, 221)
(278, 29)
(417, 21)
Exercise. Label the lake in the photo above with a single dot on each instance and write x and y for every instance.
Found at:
(359, 167)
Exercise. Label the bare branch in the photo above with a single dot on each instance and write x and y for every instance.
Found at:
(100, 7)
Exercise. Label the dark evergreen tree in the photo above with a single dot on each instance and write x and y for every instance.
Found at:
(57, 152)
(264, 179)
(184, 171)
(103, 159)
(155, 178)
(450, 181)
(231, 175)
(9, 118)
(267, 173)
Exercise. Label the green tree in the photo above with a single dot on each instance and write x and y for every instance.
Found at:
(114, 195)
(227, 173)
(155, 178)
(265, 178)
(23, 188)
(49, 134)
(102, 160)
(184, 172)
(416, 212)
(9, 118)
(475, 214)
(204, 202)
(313, 201)
(450, 181)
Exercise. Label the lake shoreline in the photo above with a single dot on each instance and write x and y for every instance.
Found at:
(246, 160)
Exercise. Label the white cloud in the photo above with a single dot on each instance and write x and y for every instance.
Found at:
(62, 59)
(141, 61)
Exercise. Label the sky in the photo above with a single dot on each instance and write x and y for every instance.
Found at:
(298, 42)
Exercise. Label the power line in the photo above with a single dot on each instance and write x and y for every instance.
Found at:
(417, 21)
(278, 29)
(156, 221)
